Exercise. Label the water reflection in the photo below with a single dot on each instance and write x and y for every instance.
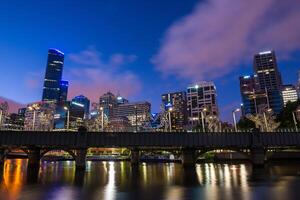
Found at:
(120, 180)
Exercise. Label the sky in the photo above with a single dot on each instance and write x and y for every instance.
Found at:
(142, 49)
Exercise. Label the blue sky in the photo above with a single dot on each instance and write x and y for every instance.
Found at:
(140, 49)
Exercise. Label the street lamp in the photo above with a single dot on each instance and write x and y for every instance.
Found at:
(295, 119)
(202, 118)
(234, 118)
(68, 117)
(170, 122)
(102, 119)
(34, 116)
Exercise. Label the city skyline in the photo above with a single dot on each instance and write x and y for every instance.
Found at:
(137, 64)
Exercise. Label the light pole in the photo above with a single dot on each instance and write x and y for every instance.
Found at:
(234, 118)
(102, 118)
(295, 120)
(170, 122)
(68, 117)
(202, 118)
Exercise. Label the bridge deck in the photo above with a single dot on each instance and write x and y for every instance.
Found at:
(147, 139)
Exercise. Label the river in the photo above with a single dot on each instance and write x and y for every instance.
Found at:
(169, 181)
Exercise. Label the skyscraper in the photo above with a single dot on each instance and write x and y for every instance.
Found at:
(53, 75)
(82, 100)
(265, 66)
(108, 102)
(254, 100)
(64, 85)
(269, 79)
(201, 97)
(177, 100)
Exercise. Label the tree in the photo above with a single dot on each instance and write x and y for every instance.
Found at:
(245, 124)
(286, 115)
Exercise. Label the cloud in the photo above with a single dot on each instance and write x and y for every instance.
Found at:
(92, 75)
(13, 105)
(221, 35)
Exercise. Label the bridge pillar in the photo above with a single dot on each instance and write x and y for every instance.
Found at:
(135, 156)
(258, 156)
(2, 158)
(188, 157)
(80, 159)
(34, 156)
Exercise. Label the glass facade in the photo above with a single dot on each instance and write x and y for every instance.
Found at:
(53, 75)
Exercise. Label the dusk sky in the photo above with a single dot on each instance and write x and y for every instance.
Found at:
(142, 49)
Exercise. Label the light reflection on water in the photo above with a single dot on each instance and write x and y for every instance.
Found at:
(120, 180)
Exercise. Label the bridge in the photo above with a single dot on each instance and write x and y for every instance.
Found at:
(36, 144)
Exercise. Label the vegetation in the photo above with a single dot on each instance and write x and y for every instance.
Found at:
(286, 115)
(245, 124)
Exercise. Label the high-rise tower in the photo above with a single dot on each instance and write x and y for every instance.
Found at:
(53, 76)
(269, 79)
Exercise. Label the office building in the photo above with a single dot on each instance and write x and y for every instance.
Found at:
(266, 69)
(137, 113)
(64, 85)
(201, 97)
(178, 102)
(39, 116)
(289, 94)
(269, 79)
(121, 100)
(108, 102)
(53, 75)
(254, 100)
(82, 100)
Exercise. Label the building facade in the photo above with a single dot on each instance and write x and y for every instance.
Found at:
(53, 75)
(137, 113)
(108, 103)
(178, 102)
(289, 94)
(201, 97)
(269, 78)
(64, 87)
(82, 100)
(39, 116)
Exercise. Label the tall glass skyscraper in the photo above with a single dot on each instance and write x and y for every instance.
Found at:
(53, 75)
(64, 85)
(269, 78)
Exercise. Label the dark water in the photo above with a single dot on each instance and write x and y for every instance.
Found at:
(118, 180)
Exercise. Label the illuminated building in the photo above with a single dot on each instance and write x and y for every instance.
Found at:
(201, 97)
(268, 75)
(119, 124)
(254, 100)
(82, 100)
(121, 100)
(39, 116)
(53, 75)
(108, 102)
(289, 93)
(269, 78)
(64, 85)
(176, 100)
(137, 113)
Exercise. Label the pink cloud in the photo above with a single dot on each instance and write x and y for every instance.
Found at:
(92, 76)
(219, 35)
(13, 105)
